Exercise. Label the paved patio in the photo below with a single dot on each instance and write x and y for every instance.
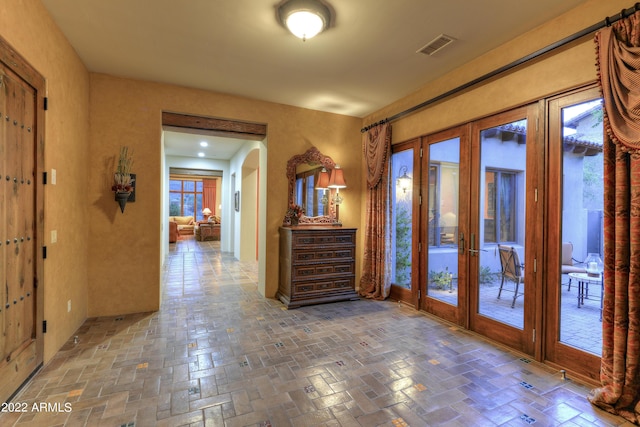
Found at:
(580, 327)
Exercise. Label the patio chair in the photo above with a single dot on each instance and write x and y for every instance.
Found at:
(511, 270)
(569, 262)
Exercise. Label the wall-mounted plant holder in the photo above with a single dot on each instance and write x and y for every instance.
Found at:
(122, 197)
(124, 182)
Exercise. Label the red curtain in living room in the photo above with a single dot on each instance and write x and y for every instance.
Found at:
(209, 195)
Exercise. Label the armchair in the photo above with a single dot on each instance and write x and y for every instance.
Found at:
(512, 270)
(173, 231)
(569, 262)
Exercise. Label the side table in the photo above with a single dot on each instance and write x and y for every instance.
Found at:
(584, 280)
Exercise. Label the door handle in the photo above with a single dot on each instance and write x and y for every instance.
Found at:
(472, 251)
(472, 246)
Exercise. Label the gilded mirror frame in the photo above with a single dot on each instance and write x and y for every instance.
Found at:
(312, 157)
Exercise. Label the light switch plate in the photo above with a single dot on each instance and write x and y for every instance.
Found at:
(53, 176)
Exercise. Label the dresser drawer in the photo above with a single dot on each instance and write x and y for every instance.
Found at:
(315, 240)
(321, 270)
(323, 255)
(324, 286)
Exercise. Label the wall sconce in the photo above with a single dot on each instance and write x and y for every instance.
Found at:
(323, 184)
(404, 181)
(124, 180)
(337, 181)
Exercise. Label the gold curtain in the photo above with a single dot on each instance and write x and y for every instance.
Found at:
(376, 276)
(618, 60)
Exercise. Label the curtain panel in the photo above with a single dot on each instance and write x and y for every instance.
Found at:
(376, 274)
(618, 61)
(209, 195)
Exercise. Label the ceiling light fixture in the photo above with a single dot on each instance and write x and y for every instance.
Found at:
(304, 18)
(204, 144)
(200, 154)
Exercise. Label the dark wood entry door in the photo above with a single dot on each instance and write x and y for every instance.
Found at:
(21, 340)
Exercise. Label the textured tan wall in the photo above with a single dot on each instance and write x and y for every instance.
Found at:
(566, 68)
(26, 25)
(124, 265)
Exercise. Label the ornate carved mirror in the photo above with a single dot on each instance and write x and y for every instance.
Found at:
(309, 165)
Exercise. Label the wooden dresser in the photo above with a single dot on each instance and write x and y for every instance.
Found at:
(317, 265)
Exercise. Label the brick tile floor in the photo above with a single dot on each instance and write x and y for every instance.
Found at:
(218, 354)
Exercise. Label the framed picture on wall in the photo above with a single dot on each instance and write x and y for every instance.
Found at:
(237, 201)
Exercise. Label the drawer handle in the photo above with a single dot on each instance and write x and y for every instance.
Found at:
(306, 288)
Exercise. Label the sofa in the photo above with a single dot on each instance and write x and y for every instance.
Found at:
(173, 232)
(213, 232)
(186, 224)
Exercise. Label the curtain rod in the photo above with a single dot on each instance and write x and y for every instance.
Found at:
(607, 22)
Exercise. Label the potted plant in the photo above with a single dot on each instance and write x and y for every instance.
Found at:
(294, 213)
(123, 181)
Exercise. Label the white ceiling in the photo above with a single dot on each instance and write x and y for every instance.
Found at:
(364, 62)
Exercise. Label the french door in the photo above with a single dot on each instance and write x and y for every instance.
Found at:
(500, 245)
(445, 213)
(573, 334)
(496, 226)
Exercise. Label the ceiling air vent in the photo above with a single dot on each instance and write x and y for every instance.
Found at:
(436, 44)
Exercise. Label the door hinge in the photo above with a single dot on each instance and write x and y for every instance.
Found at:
(419, 294)
(44, 178)
(535, 265)
(536, 194)
(44, 326)
(44, 252)
(46, 103)
(420, 200)
(419, 246)
(420, 152)
(534, 336)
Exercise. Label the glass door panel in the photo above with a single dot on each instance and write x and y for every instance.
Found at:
(575, 211)
(582, 226)
(404, 271)
(443, 213)
(444, 220)
(502, 225)
(501, 281)
(402, 218)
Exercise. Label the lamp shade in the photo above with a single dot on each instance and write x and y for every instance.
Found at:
(206, 211)
(323, 180)
(337, 178)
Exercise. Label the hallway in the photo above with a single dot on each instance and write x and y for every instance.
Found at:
(218, 354)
